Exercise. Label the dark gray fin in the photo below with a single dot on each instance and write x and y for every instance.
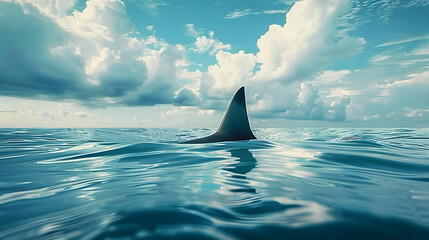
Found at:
(235, 124)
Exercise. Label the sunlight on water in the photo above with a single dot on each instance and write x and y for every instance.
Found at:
(142, 183)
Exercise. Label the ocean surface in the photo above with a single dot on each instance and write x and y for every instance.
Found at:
(296, 183)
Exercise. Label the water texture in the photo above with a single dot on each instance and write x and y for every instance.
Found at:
(144, 184)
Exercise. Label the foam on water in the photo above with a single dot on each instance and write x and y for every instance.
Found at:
(142, 183)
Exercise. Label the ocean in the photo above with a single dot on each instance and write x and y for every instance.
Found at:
(290, 183)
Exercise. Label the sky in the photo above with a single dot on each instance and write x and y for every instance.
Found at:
(177, 63)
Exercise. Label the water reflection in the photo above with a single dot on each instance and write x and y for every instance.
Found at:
(245, 162)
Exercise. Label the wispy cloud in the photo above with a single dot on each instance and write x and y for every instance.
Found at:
(383, 9)
(274, 11)
(151, 6)
(245, 12)
(238, 13)
(407, 40)
(192, 31)
(380, 58)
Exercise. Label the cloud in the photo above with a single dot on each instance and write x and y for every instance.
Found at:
(281, 77)
(192, 31)
(274, 11)
(150, 6)
(186, 97)
(424, 50)
(299, 101)
(379, 58)
(87, 55)
(287, 2)
(238, 13)
(82, 114)
(162, 81)
(382, 9)
(402, 41)
(410, 92)
(230, 72)
(310, 41)
(384, 91)
(205, 44)
(150, 28)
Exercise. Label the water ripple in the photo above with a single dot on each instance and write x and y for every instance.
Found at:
(142, 183)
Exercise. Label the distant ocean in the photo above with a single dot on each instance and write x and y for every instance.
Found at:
(143, 184)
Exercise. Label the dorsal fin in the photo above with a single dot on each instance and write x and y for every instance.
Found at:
(235, 124)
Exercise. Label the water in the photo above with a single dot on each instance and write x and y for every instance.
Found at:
(142, 183)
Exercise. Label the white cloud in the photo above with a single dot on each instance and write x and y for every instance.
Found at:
(151, 6)
(402, 41)
(90, 54)
(287, 2)
(411, 92)
(150, 28)
(423, 50)
(230, 72)
(298, 101)
(192, 31)
(162, 80)
(308, 42)
(204, 44)
(238, 13)
(289, 56)
(210, 45)
(331, 77)
(275, 11)
(82, 114)
(380, 58)
(382, 9)
(412, 113)
(245, 12)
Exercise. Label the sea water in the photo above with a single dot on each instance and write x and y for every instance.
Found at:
(144, 184)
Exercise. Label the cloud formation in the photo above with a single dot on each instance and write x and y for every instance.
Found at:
(95, 56)
(310, 41)
(290, 57)
(88, 56)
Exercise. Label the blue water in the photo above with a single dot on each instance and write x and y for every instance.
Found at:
(144, 184)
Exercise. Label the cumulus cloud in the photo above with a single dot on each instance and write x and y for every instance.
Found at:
(230, 72)
(311, 106)
(309, 41)
(186, 97)
(281, 75)
(85, 55)
(300, 101)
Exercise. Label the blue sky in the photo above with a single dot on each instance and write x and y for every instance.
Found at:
(153, 63)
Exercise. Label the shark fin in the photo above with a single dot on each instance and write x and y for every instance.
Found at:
(235, 124)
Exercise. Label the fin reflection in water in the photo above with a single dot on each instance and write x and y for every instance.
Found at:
(244, 164)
